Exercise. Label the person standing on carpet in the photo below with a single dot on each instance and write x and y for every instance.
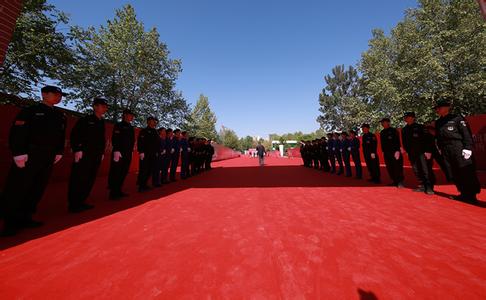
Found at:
(260, 149)
(346, 147)
(159, 176)
(370, 146)
(122, 141)
(175, 153)
(148, 144)
(185, 150)
(456, 145)
(36, 142)
(209, 154)
(354, 144)
(390, 145)
(88, 144)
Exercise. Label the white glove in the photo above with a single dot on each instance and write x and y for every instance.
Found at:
(397, 155)
(163, 151)
(373, 156)
(428, 155)
(188, 149)
(20, 160)
(172, 151)
(349, 149)
(116, 156)
(102, 156)
(466, 153)
(141, 156)
(57, 159)
(77, 156)
(340, 150)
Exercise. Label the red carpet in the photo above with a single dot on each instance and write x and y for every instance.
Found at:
(245, 232)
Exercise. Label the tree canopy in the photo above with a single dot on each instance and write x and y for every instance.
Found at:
(202, 121)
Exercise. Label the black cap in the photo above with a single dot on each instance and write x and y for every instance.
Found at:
(100, 100)
(52, 89)
(409, 114)
(128, 112)
(152, 118)
(365, 125)
(442, 103)
(385, 120)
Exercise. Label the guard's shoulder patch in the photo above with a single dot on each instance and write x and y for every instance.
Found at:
(19, 122)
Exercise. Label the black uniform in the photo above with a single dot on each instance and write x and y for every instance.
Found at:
(148, 143)
(39, 132)
(338, 153)
(324, 158)
(390, 144)
(354, 144)
(370, 146)
(185, 150)
(88, 136)
(453, 136)
(346, 151)
(122, 140)
(209, 156)
(175, 154)
(417, 141)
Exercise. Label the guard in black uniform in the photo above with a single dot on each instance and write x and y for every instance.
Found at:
(456, 144)
(354, 145)
(346, 148)
(159, 175)
(390, 145)
(437, 156)
(122, 141)
(88, 144)
(370, 145)
(148, 145)
(36, 141)
(185, 151)
(338, 152)
(175, 153)
(324, 159)
(417, 142)
(209, 155)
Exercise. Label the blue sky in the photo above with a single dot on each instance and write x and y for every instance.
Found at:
(261, 63)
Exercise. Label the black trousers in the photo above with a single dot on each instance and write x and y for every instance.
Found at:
(422, 169)
(325, 163)
(373, 166)
(394, 167)
(118, 172)
(316, 162)
(444, 166)
(347, 163)
(185, 171)
(82, 179)
(332, 161)
(463, 171)
(174, 161)
(25, 186)
(339, 159)
(207, 162)
(357, 163)
(146, 169)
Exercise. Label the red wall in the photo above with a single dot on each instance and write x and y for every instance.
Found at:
(63, 168)
(478, 128)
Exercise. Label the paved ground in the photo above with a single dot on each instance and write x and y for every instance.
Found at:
(245, 232)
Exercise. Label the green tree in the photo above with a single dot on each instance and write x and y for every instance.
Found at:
(130, 67)
(38, 49)
(341, 107)
(438, 50)
(229, 138)
(246, 143)
(202, 121)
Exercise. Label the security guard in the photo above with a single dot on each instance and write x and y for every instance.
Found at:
(185, 151)
(148, 144)
(122, 141)
(436, 155)
(338, 152)
(88, 145)
(417, 143)
(354, 145)
(346, 153)
(390, 145)
(456, 144)
(175, 153)
(324, 159)
(209, 155)
(331, 144)
(159, 174)
(36, 142)
(370, 145)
